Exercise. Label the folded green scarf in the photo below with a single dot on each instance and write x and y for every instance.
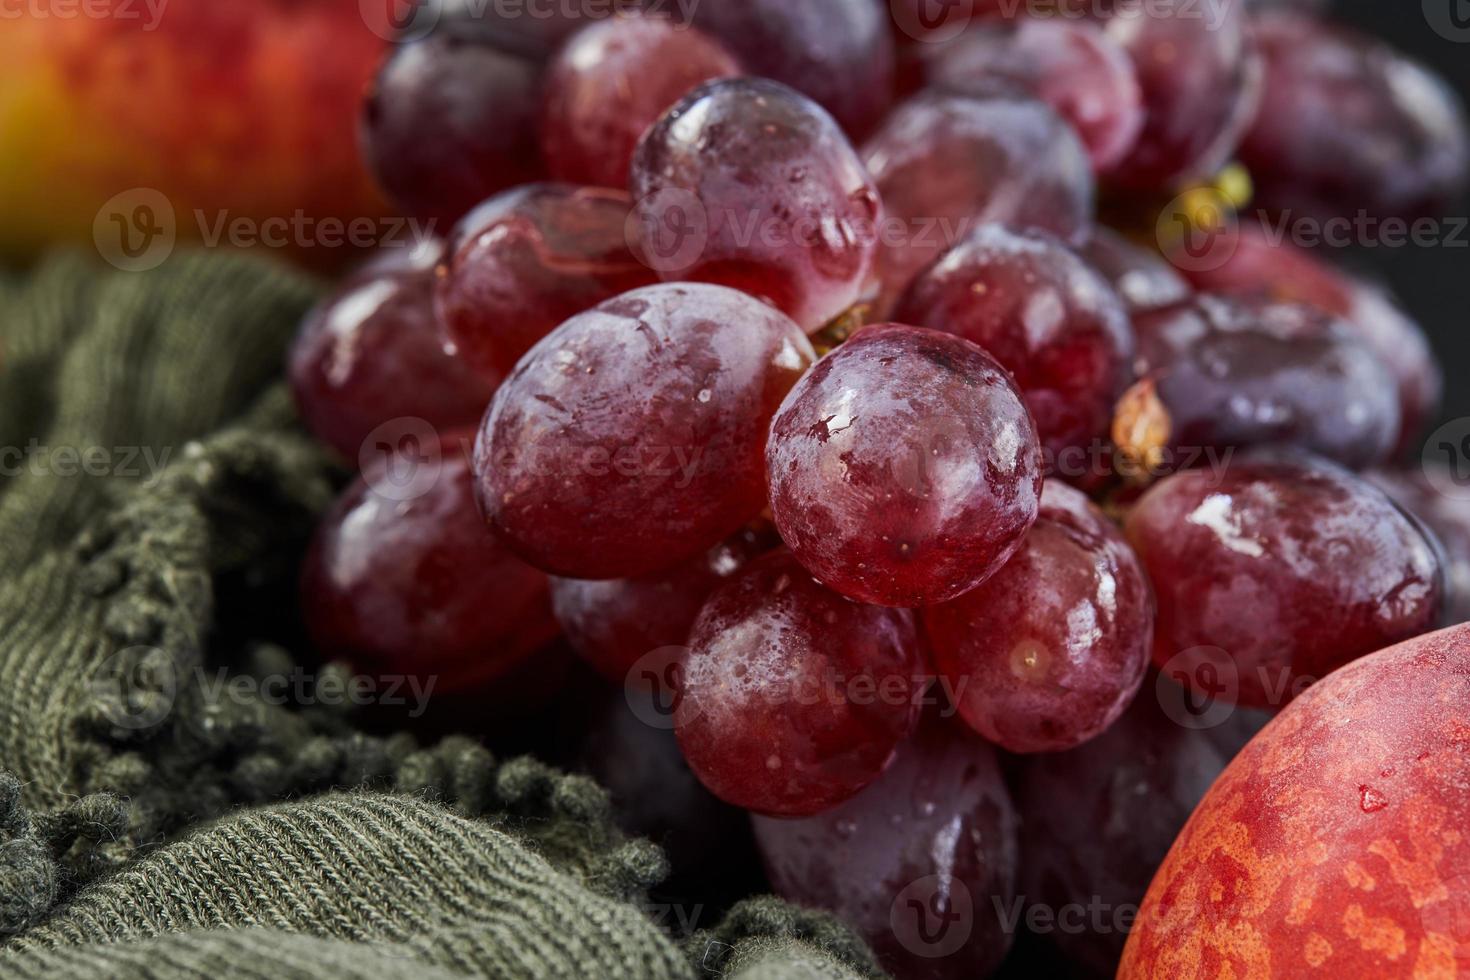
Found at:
(152, 478)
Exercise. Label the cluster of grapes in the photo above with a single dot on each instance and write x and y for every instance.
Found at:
(815, 387)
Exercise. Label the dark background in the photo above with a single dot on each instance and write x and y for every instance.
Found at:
(1433, 283)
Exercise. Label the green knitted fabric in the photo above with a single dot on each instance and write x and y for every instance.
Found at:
(150, 831)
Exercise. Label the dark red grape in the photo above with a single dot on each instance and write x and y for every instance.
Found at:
(654, 794)
(1049, 319)
(610, 83)
(1200, 74)
(791, 698)
(1144, 279)
(1349, 125)
(1447, 516)
(750, 184)
(524, 261)
(946, 163)
(450, 122)
(1097, 821)
(1279, 270)
(837, 52)
(1048, 652)
(630, 439)
(417, 585)
(1272, 572)
(1238, 372)
(1071, 65)
(370, 354)
(904, 469)
(922, 863)
(613, 624)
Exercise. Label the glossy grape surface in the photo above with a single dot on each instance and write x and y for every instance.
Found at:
(420, 586)
(1348, 124)
(1235, 373)
(837, 52)
(450, 122)
(750, 184)
(1448, 517)
(610, 83)
(370, 354)
(1291, 568)
(917, 862)
(1144, 279)
(614, 623)
(1200, 75)
(524, 261)
(945, 164)
(904, 469)
(1055, 324)
(793, 698)
(1073, 66)
(631, 438)
(1279, 270)
(1048, 652)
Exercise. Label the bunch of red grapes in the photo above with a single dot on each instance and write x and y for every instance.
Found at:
(809, 384)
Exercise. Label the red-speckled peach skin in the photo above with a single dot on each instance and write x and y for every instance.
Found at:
(1335, 844)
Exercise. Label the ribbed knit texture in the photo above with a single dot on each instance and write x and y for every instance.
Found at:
(142, 833)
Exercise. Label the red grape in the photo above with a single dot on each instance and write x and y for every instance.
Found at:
(369, 354)
(1239, 372)
(1097, 821)
(1448, 517)
(419, 586)
(946, 163)
(1144, 279)
(1049, 319)
(922, 863)
(630, 438)
(613, 624)
(524, 261)
(904, 469)
(610, 83)
(1071, 65)
(1048, 652)
(1349, 125)
(449, 122)
(792, 698)
(1276, 572)
(1200, 74)
(1282, 271)
(837, 52)
(787, 211)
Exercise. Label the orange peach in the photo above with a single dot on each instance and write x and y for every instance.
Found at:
(244, 109)
(1337, 843)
